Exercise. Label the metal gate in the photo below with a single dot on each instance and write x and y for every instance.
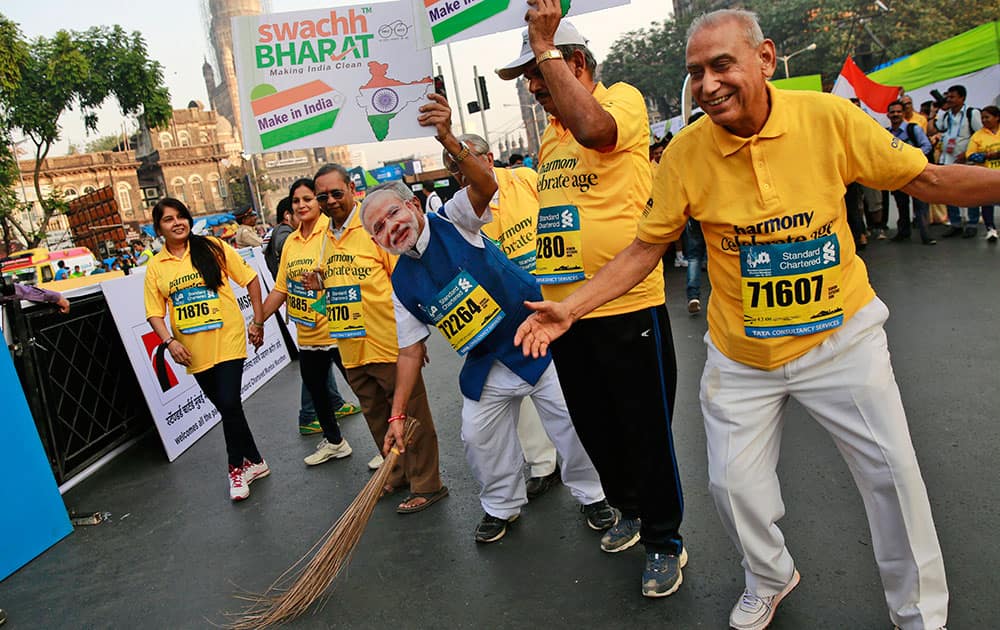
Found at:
(79, 382)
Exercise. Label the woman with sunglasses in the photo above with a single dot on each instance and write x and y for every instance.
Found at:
(192, 273)
(303, 251)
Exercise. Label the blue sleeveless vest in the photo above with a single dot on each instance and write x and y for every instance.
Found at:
(417, 281)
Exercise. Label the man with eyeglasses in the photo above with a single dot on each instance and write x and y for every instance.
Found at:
(514, 208)
(356, 275)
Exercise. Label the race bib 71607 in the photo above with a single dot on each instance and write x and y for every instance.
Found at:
(791, 288)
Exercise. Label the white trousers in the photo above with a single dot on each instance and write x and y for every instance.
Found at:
(847, 385)
(489, 432)
(539, 451)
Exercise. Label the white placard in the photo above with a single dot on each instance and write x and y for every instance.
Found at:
(343, 75)
(180, 410)
(446, 21)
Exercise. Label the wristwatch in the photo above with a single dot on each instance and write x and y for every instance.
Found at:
(555, 53)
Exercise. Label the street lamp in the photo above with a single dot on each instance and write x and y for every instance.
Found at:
(789, 56)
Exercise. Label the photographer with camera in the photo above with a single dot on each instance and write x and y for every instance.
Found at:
(957, 122)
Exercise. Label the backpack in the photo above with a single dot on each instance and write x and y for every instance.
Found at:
(911, 138)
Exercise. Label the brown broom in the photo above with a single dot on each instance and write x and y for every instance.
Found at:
(314, 572)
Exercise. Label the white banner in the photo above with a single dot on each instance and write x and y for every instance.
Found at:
(344, 75)
(446, 21)
(180, 410)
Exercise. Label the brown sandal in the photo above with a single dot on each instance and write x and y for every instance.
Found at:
(430, 498)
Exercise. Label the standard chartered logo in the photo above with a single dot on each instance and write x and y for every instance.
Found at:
(566, 218)
(464, 284)
(352, 294)
(829, 252)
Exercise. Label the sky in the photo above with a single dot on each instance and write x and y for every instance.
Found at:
(176, 38)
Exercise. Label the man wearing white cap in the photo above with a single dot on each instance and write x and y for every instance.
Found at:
(593, 183)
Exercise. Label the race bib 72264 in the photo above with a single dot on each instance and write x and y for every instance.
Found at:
(464, 312)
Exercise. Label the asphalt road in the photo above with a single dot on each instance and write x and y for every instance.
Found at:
(176, 550)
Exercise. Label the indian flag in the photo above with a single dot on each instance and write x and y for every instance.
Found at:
(383, 97)
(294, 113)
(874, 97)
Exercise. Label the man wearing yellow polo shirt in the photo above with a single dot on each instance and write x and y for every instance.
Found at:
(911, 115)
(359, 308)
(792, 314)
(593, 183)
(514, 208)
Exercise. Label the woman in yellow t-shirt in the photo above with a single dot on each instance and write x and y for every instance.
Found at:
(984, 149)
(304, 249)
(192, 274)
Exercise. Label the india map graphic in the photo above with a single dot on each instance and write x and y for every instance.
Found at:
(383, 97)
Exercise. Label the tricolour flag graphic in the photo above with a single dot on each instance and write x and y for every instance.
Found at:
(294, 113)
(852, 83)
(383, 97)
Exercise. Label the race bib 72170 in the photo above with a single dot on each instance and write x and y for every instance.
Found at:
(344, 312)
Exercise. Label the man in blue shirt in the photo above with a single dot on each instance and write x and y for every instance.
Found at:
(911, 134)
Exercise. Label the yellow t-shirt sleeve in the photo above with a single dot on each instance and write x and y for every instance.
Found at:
(237, 268)
(530, 176)
(281, 282)
(666, 214)
(626, 106)
(876, 158)
(156, 302)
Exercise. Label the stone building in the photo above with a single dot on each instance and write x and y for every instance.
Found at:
(187, 159)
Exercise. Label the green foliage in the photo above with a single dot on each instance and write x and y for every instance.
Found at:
(80, 70)
(109, 142)
(652, 59)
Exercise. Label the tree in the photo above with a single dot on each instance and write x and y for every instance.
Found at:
(13, 53)
(80, 70)
(110, 142)
(652, 59)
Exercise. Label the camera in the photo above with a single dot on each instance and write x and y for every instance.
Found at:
(938, 98)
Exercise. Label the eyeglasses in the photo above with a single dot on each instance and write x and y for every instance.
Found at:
(337, 194)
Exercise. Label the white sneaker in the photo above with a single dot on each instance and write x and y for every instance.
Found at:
(991, 235)
(326, 451)
(679, 261)
(253, 471)
(375, 462)
(238, 488)
(694, 306)
(755, 613)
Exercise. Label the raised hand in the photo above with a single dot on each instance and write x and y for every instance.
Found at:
(536, 333)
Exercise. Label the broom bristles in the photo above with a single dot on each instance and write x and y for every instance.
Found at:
(313, 573)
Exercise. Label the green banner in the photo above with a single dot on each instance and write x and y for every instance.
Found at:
(963, 54)
(810, 83)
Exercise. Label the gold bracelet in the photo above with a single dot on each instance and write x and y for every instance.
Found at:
(257, 325)
(464, 153)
